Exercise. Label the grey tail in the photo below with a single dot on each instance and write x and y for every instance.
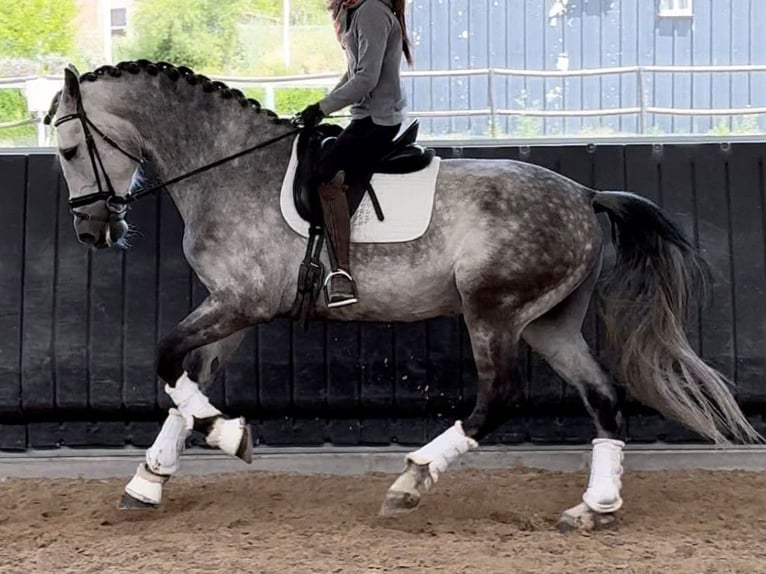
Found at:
(657, 278)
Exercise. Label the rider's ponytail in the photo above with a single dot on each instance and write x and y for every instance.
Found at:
(399, 6)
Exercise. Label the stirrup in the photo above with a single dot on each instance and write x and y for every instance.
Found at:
(349, 301)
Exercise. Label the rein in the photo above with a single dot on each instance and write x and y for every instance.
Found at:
(117, 204)
(149, 190)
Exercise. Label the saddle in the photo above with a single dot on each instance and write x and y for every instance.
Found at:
(404, 156)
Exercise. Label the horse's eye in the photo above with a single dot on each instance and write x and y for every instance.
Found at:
(69, 153)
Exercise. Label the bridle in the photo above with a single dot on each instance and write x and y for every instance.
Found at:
(117, 205)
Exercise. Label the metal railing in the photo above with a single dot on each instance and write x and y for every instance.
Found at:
(490, 110)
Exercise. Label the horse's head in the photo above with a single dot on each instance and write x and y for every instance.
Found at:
(99, 154)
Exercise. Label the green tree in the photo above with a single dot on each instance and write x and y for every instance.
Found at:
(301, 11)
(30, 28)
(200, 34)
(203, 34)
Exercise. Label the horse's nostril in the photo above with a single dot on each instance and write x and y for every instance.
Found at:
(86, 238)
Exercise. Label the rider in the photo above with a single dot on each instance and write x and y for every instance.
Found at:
(373, 34)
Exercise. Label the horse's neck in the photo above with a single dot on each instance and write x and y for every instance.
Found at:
(244, 189)
(179, 143)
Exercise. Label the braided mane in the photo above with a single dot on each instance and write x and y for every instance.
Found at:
(175, 74)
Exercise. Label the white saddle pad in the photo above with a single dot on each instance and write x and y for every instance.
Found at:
(407, 201)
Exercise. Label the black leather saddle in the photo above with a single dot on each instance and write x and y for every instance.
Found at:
(405, 156)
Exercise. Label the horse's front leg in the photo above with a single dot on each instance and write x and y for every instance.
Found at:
(214, 328)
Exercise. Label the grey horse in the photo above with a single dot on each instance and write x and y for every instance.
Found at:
(515, 248)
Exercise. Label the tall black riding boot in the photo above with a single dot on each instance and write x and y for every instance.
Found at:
(340, 289)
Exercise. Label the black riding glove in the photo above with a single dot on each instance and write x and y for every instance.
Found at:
(311, 116)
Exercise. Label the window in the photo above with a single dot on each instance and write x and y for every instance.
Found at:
(118, 21)
(676, 8)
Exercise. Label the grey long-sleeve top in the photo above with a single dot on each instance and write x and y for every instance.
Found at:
(371, 86)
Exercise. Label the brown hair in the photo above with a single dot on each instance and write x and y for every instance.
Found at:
(334, 6)
(406, 45)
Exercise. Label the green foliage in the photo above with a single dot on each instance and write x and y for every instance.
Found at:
(739, 125)
(257, 94)
(29, 28)
(301, 11)
(232, 37)
(746, 125)
(313, 49)
(293, 100)
(13, 107)
(19, 136)
(34, 31)
(287, 101)
(198, 34)
(528, 126)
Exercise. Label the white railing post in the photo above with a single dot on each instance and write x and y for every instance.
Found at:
(269, 97)
(491, 102)
(39, 93)
(641, 101)
(42, 135)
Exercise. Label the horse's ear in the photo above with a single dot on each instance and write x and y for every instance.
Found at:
(72, 82)
(52, 109)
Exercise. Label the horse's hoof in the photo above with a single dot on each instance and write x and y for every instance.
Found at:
(128, 502)
(232, 436)
(583, 519)
(399, 502)
(245, 449)
(567, 524)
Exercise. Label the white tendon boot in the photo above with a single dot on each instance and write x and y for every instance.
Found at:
(232, 436)
(162, 460)
(442, 451)
(164, 456)
(603, 493)
(423, 469)
(190, 401)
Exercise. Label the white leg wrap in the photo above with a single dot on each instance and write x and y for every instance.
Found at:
(227, 435)
(190, 401)
(164, 455)
(443, 450)
(145, 486)
(603, 494)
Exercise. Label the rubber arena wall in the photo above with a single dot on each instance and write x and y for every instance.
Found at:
(78, 329)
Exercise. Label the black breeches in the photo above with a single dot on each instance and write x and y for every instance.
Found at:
(357, 151)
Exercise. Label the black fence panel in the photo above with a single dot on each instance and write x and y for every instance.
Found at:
(13, 174)
(78, 329)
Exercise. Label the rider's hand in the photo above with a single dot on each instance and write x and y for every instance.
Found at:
(311, 116)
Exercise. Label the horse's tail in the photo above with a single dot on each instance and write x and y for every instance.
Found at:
(658, 276)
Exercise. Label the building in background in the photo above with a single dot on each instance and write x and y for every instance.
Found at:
(650, 48)
(98, 23)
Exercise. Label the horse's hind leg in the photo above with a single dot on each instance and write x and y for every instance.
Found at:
(194, 411)
(495, 341)
(558, 338)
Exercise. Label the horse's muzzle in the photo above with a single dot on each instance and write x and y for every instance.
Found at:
(98, 233)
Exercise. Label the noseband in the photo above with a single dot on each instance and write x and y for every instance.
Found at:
(116, 204)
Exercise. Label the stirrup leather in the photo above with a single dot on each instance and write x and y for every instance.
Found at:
(349, 301)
